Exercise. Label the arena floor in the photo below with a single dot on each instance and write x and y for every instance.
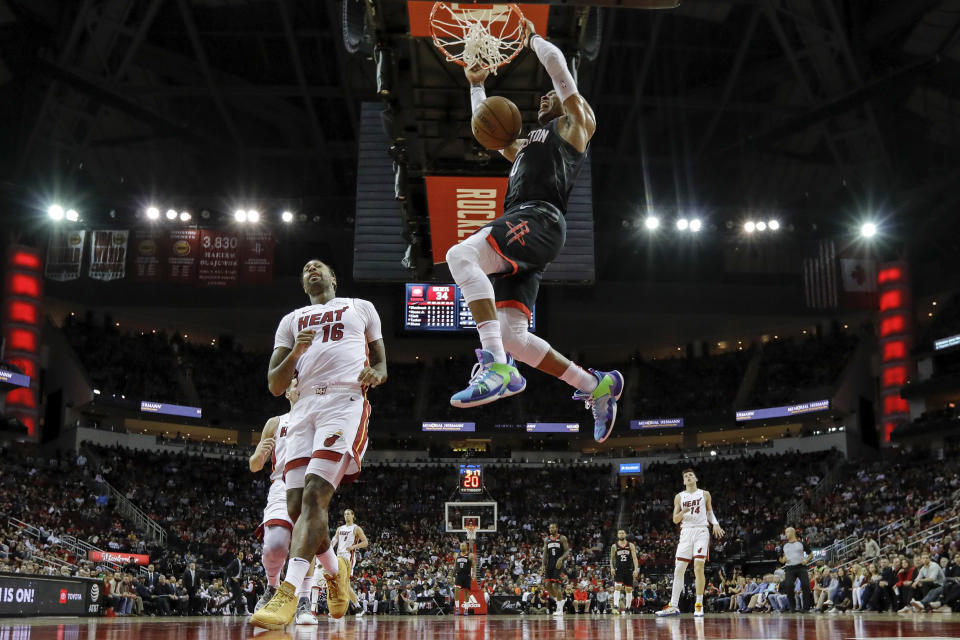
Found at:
(752, 627)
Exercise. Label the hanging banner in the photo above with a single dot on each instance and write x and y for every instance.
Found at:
(459, 206)
(183, 249)
(64, 254)
(219, 258)
(146, 250)
(256, 258)
(108, 254)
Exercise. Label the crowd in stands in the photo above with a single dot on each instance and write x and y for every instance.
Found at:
(676, 387)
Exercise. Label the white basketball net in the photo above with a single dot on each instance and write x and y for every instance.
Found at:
(471, 532)
(478, 38)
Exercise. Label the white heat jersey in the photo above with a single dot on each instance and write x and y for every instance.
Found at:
(279, 448)
(338, 353)
(697, 516)
(346, 537)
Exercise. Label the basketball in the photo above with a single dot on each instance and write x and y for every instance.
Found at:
(496, 123)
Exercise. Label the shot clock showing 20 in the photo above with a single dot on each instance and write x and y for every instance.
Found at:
(471, 478)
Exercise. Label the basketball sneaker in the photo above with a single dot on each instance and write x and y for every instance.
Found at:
(698, 610)
(602, 402)
(339, 592)
(279, 612)
(265, 598)
(489, 381)
(304, 614)
(668, 611)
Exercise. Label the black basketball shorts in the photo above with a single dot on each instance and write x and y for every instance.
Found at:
(624, 577)
(528, 236)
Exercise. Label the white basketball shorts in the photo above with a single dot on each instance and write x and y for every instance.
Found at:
(694, 544)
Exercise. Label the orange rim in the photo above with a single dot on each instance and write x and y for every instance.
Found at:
(440, 44)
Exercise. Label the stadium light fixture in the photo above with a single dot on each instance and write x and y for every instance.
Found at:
(287, 216)
(696, 225)
(55, 212)
(683, 224)
(185, 216)
(72, 215)
(253, 216)
(240, 215)
(651, 223)
(749, 226)
(761, 226)
(774, 225)
(868, 230)
(171, 214)
(153, 213)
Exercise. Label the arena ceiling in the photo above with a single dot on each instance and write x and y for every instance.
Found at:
(808, 107)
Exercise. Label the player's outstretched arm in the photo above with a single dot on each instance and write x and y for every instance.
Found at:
(264, 448)
(476, 77)
(578, 122)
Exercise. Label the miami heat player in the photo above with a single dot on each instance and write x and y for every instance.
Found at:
(556, 549)
(692, 510)
(350, 539)
(335, 346)
(276, 525)
(624, 567)
(518, 246)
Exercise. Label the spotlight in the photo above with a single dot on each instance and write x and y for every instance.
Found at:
(749, 226)
(205, 214)
(761, 226)
(153, 213)
(774, 225)
(185, 216)
(171, 214)
(683, 224)
(868, 230)
(55, 211)
(72, 215)
(253, 215)
(240, 215)
(287, 216)
(652, 222)
(695, 225)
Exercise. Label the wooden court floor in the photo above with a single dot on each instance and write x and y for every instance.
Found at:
(721, 627)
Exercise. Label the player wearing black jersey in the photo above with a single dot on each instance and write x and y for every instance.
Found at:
(464, 572)
(624, 567)
(555, 552)
(518, 247)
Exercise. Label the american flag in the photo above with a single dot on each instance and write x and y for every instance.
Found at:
(820, 277)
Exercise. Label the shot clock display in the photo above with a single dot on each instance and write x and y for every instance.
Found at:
(471, 478)
(439, 307)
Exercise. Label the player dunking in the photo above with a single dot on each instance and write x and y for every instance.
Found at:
(327, 343)
(466, 563)
(276, 526)
(556, 549)
(519, 246)
(692, 510)
(624, 567)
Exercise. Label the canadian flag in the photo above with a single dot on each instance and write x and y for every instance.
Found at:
(859, 275)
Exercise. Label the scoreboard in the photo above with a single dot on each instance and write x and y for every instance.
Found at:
(471, 478)
(440, 307)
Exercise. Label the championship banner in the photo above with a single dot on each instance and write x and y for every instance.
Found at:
(141, 559)
(459, 206)
(219, 258)
(183, 248)
(474, 604)
(418, 12)
(256, 258)
(108, 254)
(146, 250)
(64, 254)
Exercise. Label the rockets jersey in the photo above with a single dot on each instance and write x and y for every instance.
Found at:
(697, 516)
(279, 448)
(346, 537)
(338, 352)
(554, 550)
(623, 557)
(544, 169)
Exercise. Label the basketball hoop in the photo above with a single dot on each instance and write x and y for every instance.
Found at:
(471, 532)
(477, 38)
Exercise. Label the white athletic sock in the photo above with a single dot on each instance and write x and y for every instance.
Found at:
(329, 561)
(296, 570)
(491, 340)
(577, 378)
(305, 587)
(700, 599)
(616, 599)
(677, 583)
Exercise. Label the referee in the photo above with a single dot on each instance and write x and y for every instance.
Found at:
(795, 556)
